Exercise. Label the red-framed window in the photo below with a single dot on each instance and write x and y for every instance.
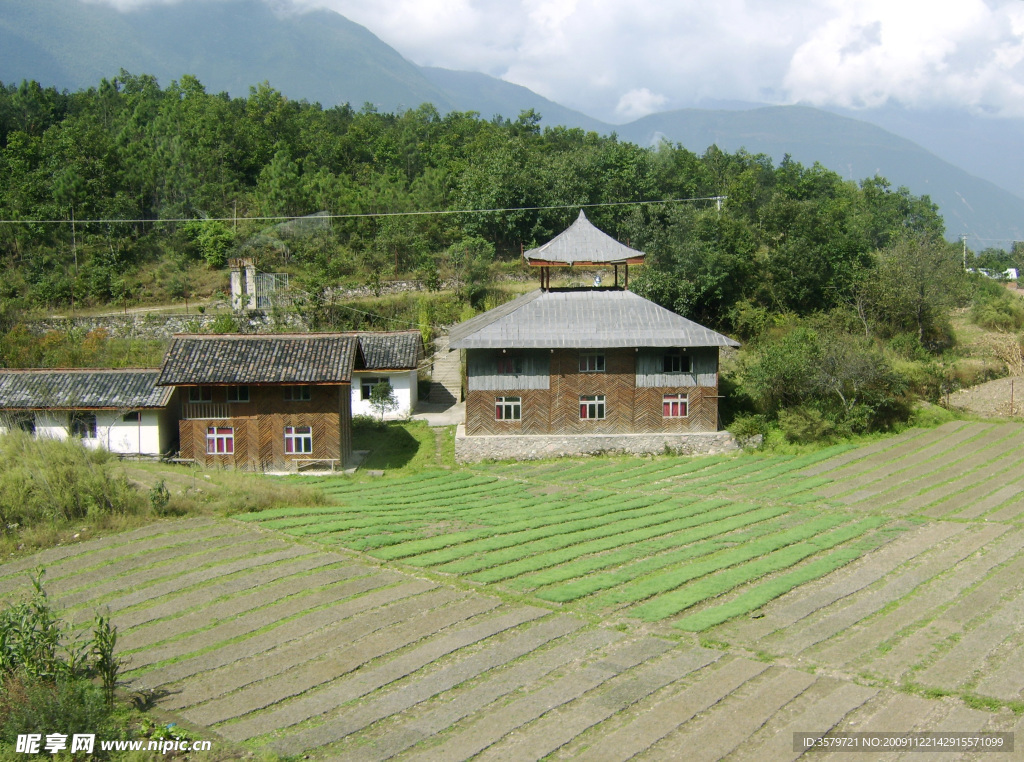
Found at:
(298, 439)
(674, 406)
(592, 407)
(220, 440)
(508, 408)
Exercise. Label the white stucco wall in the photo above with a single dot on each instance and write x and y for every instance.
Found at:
(404, 384)
(142, 437)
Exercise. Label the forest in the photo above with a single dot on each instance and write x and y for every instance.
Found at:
(130, 193)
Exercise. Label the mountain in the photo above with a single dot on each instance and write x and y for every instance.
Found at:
(982, 145)
(321, 56)
(970, 205)
(470, 91)
(229, 45)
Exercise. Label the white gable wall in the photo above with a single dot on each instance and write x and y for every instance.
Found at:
(403, 382)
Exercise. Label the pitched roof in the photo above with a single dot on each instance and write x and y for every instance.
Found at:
(582, 243)
(325, 358)
(80, 389)
(583, 319)
(393, 350)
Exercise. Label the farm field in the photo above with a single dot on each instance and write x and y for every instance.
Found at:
(604, 609)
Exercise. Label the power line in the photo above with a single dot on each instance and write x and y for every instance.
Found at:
(79, 221)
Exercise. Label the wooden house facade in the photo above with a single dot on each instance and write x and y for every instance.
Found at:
(588, 361)
(263, 402)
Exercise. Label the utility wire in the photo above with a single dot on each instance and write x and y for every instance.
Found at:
(366, 214)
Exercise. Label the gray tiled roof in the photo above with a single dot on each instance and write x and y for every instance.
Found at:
(260, 359)
(394, 350)
(122, 389)
(582, 242)
(583, 319)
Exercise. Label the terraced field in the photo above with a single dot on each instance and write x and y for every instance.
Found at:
(607, 609)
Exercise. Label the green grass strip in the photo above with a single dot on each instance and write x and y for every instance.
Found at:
(666, 581)
(620, 535)
(476, 555)
(669, 553)
(573, 569)
(768, 591)
(546, 522)
(727, 579)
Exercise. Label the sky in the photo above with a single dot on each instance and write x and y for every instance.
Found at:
(619, 60)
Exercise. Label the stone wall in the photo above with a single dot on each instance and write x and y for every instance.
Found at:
(155, 326)
(469, 449)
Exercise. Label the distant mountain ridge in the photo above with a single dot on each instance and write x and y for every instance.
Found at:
(321, 56)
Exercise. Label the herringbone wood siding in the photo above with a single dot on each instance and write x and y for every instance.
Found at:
(702, 410)
(629, 410)
(480, 411)
(259, 429)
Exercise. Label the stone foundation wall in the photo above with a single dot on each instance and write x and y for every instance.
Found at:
(469, 449)
(156, 326)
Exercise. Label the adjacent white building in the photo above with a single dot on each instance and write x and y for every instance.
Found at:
(121, 410)
(394, 357)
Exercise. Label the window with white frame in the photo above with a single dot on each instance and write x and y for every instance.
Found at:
(508, 408)
(200, 394)
(592, 407)
(220, 440)
(674, 405)
(297, 394)
(676, 362)
(592, 362)
(238, 394)
(83, 425)
(298, 439)
(133, 417)
(366, 386)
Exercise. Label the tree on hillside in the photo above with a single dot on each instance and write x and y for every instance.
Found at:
(910, 288)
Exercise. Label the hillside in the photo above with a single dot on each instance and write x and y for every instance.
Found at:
(321, 56)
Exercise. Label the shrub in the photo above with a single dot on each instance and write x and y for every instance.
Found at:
(803, 425)
(67, 704)
(749, 430)
(1002, 314)
(52, 481)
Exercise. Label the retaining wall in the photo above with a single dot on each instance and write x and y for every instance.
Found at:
(469, 449)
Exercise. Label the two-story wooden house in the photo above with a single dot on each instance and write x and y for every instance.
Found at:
(263, 402)
(587, 362)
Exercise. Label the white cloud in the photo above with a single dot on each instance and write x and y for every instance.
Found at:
(968, 54)
(614, 58)
(638, 103)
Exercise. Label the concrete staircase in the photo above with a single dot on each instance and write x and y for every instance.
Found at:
(446, 374)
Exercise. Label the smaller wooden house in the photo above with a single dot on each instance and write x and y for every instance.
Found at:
(122, 410)
(392, 356)
(263, 402)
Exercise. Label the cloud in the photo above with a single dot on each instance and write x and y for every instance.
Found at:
(615, 59)
(876, 51)
(638, 103)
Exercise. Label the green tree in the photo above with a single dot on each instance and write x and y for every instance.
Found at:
(383, 399)
(910, 288)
